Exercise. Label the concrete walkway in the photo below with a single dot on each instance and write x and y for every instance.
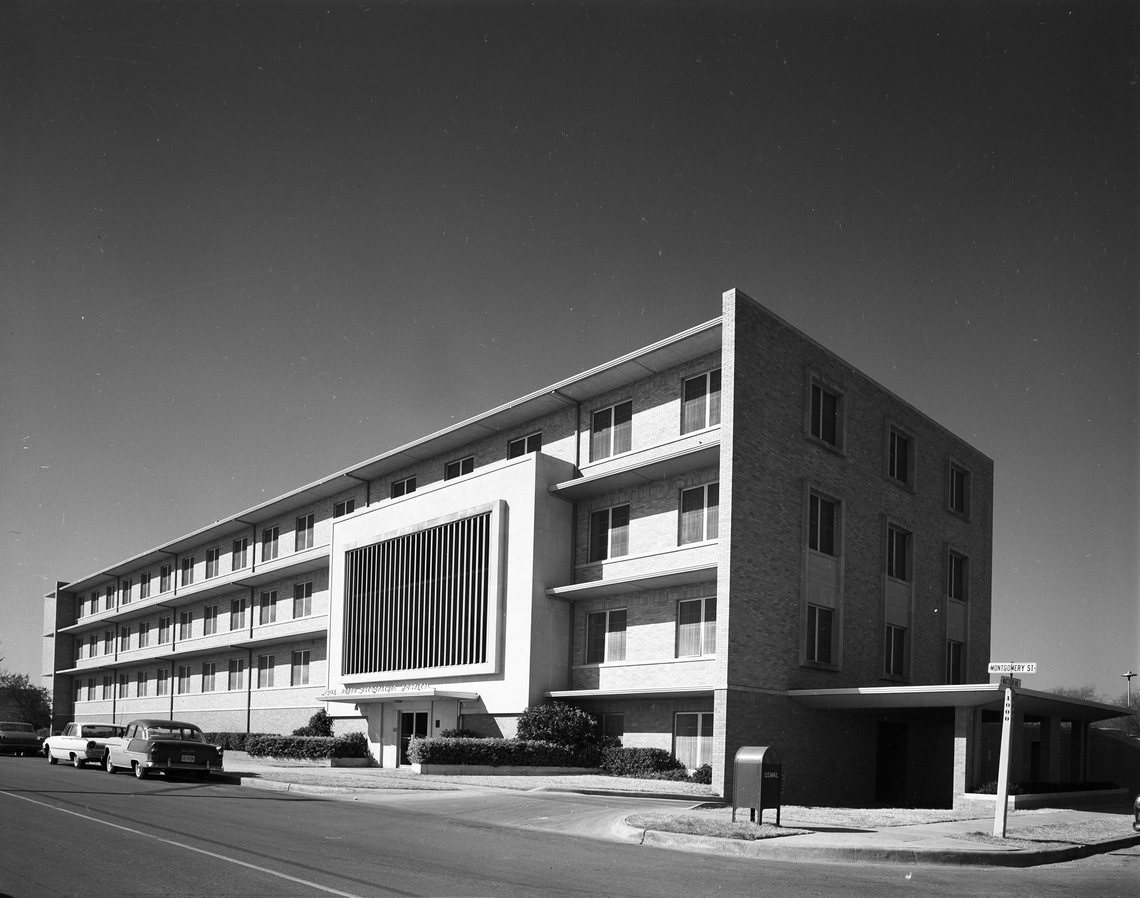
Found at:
(1032, 837)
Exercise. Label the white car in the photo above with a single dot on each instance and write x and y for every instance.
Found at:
(81, 742)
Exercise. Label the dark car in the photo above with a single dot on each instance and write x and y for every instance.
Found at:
(162, 746)
(18, 738)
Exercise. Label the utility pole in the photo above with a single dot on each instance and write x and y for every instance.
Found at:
(1128, 679)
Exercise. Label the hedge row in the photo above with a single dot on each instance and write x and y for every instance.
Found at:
(352, 745)
(496, 753)
(233, 741)
(639, 762)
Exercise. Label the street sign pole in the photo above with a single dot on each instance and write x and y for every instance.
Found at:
(1003, 759)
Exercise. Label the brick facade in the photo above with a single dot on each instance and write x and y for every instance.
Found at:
(756, 565)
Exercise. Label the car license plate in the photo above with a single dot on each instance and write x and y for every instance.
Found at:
(187, 759)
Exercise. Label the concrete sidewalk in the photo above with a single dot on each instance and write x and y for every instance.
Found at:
(1032, 837)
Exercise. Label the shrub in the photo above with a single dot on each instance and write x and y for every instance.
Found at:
(561, 724)
(233, 741)
(493, 753)
(638, 762)
(703, 775)
(459, 734)
(320, 724)
(352, 745)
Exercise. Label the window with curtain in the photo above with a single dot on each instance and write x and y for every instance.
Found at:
(696, 627)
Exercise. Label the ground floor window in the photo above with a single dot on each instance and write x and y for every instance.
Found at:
(692, 740)
(613, 726)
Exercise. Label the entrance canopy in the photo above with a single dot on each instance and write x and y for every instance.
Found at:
(366, 695)
(972, 695)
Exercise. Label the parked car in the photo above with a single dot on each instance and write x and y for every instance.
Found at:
(162, 746)
(18, 738)
(81, 742)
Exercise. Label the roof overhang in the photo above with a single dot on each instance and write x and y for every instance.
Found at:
(649, 692)
(971, 695)
(367, 696)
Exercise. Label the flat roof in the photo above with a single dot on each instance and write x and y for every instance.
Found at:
(971, 695)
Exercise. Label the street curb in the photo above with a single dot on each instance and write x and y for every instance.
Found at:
(765, 848)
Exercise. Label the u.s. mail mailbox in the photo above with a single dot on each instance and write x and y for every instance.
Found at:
(757, 781)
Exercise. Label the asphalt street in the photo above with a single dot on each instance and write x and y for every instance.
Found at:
(83, 832)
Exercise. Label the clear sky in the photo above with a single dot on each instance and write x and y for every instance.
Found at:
(246, 245)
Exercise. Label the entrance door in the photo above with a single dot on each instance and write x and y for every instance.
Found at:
(890, 766)
(412, 723)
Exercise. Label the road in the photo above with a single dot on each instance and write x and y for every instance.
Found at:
(82, 832)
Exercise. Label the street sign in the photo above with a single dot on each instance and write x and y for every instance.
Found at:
(1013, 667)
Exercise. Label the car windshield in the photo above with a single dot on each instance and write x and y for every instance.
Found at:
(186, 734)
(101, 732)
(17, 728)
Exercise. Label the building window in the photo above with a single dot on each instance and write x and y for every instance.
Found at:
(240, 553)
(144, 586)
(182, 683)
(164, 578)
(106, 692)
(609, 533)
(700, 402)
(303, 536)
(958, 577)
(700, 513)
(696, 627)
(125, 592)
(141, 684)
(209, 674)
(611, 431)
(900, 456)
(524, 445)
(213, 562)
(898, 553)
(163, 630)
(185, 624)
(958, 499)
(265, 665)
(820, 629)
(340, 509)
(605, 636)
(299, 672)
(210, 620)
(269, 540)
(92, 645)
(187, 570)
(613, 726)
(822, 520)
(693, 738)
(162, 681)
(144, 634)
(403, 487)
(826, 408)
(236, 679)
(237, 614)
(303, 599)
(124, 686)
(267, 611)
(953, 662)
(108, 642)
(895, 657)
(459, 467)
(90, 689)
(108, 598)
(124, 638)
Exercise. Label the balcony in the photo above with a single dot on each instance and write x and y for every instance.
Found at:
(689, 453)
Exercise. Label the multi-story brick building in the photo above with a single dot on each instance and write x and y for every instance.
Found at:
(729, 537)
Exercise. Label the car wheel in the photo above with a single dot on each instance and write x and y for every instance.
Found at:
(51, 759)
(140, 771)
(107, 765)
(77, 762)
